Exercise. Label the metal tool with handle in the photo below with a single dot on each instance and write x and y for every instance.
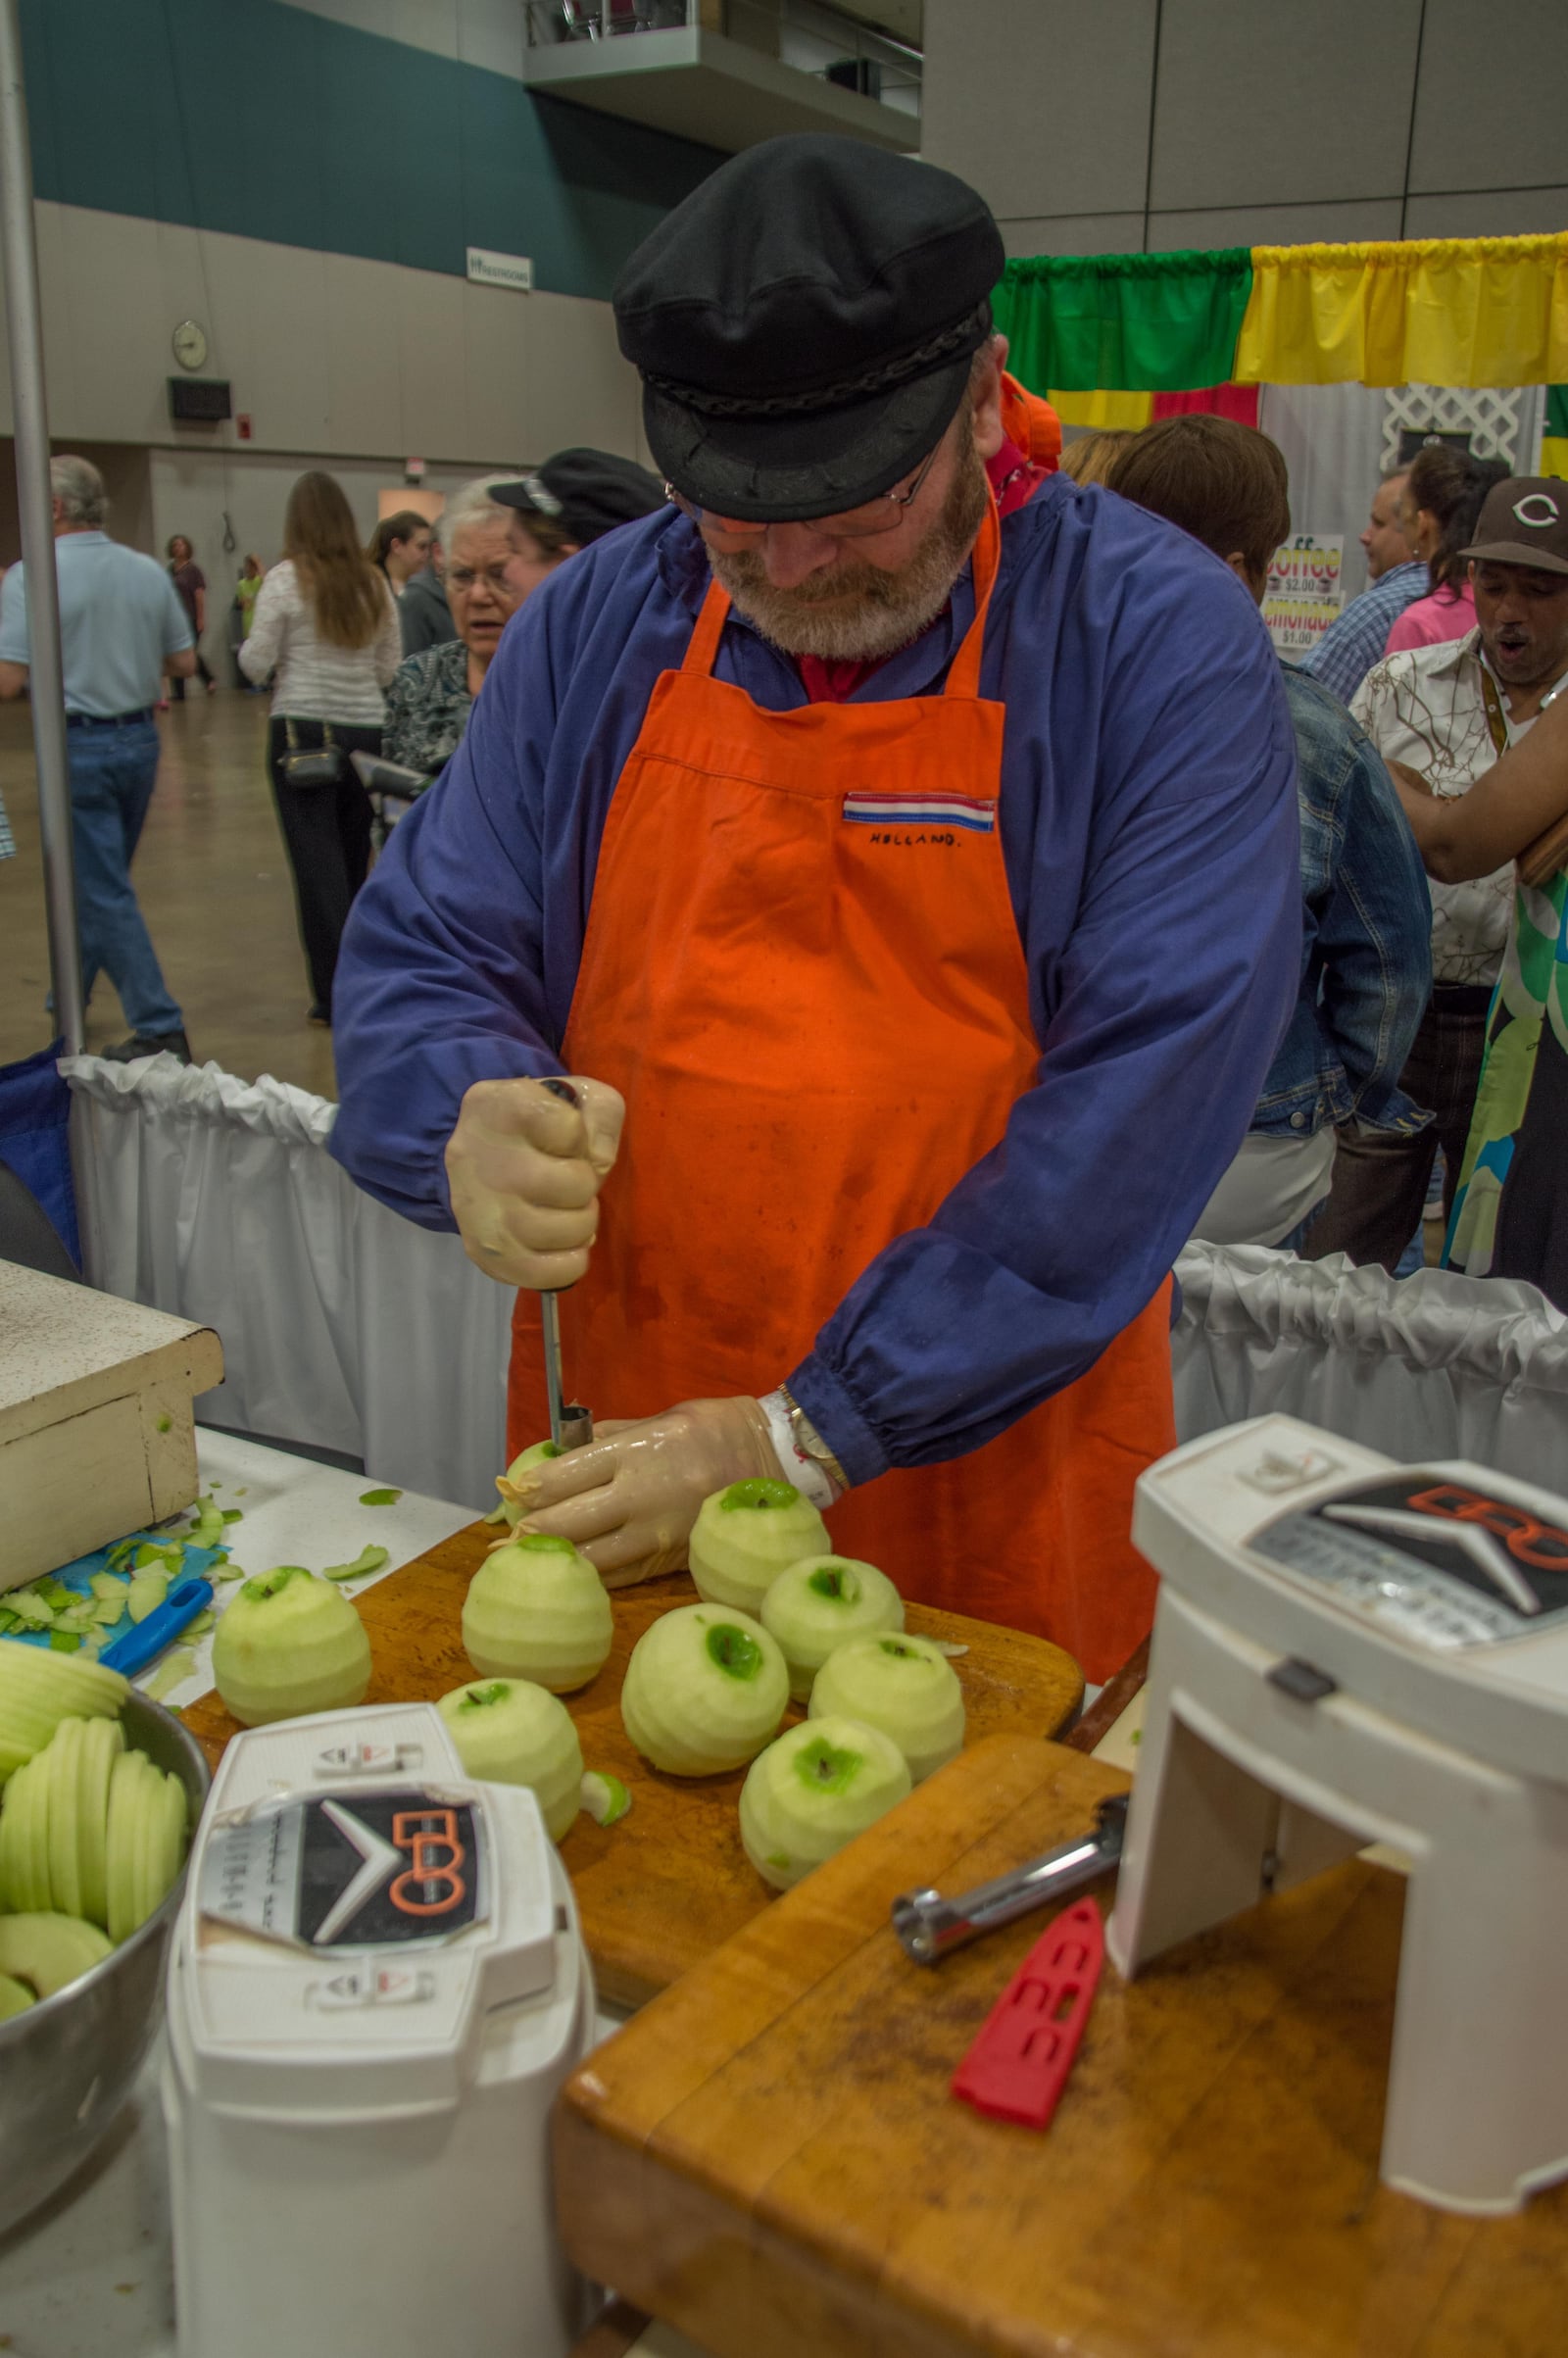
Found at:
(929, 1926)
(570, 1428)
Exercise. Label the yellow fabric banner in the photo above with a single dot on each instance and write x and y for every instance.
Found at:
(1483, 311)
(1132, 410)
(1554, 454)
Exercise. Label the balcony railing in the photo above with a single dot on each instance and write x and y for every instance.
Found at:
(813, 40)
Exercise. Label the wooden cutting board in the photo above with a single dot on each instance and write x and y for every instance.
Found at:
(767, 2156)
(660, 1891)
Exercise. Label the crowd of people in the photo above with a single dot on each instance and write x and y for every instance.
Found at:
(1427, 1042)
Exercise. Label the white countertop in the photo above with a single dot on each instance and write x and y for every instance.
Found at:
(92, 2273)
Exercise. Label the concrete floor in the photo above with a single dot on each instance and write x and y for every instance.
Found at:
(215, 889)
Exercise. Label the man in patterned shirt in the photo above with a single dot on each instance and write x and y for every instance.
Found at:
(1448, 711)
(1353, 642)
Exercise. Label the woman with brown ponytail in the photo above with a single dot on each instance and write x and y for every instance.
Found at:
(326, 634)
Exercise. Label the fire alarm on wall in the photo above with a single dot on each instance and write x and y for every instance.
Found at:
(242, 426)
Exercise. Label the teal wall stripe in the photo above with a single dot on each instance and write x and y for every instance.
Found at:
(267, 122)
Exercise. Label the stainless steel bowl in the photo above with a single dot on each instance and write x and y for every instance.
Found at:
(67, 2064)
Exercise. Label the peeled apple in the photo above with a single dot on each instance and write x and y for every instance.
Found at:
(513, 1485)
(904, 1685)
(814, 1606)
(537, 1609)
(815, 1790)
(146, 1841)
(744, 1536)
(705, 1690)
(511, 1733)
(288, 1645)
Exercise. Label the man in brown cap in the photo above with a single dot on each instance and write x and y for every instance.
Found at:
(1448, 713)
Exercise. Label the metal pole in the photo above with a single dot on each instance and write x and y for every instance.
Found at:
(45, 681)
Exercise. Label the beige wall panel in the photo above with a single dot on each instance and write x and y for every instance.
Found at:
(1493, 212)
(117, 336)
(286, 383)
(1074, 233)
(1275, 106)
(367, 381)
(1276, 225)
(1041, 105)
(497, 329)
(430, 313)
(579, 389)
(1493, 108)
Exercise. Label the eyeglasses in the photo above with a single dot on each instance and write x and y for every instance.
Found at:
(494, 576)
(884, 514)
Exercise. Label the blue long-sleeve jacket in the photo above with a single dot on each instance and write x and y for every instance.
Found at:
(1366, 956)
(1148, 827)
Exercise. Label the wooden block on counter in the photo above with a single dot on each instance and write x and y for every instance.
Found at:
(768, 2156)
(97, 1430)
(662, 1890)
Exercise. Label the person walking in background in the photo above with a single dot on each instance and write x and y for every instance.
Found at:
(1395, 577)
(400, 547)
(1438, 510)
(190, 584)
(424, 616)
(242, 613)
(325, 632)
(121, 627)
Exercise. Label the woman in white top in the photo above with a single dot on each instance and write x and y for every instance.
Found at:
(325, 632)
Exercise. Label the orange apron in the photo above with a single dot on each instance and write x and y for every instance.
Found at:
(820, 1025)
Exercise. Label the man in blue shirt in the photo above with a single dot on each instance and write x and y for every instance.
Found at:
(1355, 640)
(121, 628)
(1098, 894)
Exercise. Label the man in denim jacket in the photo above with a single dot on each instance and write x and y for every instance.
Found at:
(1366, 958)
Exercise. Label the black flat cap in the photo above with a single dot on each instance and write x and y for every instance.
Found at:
(804, 323)
(587, 492)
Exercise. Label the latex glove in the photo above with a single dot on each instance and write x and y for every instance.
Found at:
(629, 1499)
(524, 1169)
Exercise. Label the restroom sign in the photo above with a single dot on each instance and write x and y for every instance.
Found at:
(513, 270)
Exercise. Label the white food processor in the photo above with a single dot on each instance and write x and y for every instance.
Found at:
(376, 1986)
(1348, 1650)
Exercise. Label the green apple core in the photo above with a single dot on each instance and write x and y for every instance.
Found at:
(837, 1582)
(825, 1769)
(544, 1543)
(480, 1698)
(902, 1653)
(269, 1584)
(760, 1491)
(734, 1652)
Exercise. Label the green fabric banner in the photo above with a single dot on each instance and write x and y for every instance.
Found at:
(1128, 322)
(1557, 412)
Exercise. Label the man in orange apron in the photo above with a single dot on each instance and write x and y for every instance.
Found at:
(897, 847)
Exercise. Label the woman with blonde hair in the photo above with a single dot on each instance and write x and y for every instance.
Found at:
(325, 632)
(1089, 458)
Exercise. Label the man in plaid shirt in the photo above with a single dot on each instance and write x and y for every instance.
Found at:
(1353, 642)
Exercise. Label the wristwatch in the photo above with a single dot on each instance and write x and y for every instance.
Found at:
(809, 1443)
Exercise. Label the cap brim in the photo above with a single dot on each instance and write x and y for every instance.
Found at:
(518, 494)
(1516, 551)
(789, 469)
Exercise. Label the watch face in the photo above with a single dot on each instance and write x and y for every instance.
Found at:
(190, 345)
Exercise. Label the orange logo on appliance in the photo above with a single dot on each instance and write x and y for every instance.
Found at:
(1529, 1541)
(437, 1853)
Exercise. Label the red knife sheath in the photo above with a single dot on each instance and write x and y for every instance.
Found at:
(1018, 2066)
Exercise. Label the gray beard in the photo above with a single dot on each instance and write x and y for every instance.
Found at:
(852, 612)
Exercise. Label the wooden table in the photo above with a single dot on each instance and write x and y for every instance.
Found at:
(768, 2158)
(664, 1888)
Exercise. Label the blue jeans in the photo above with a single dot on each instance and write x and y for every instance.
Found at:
(112, 772)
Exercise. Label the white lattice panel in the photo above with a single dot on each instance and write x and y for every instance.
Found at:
(1491, 416)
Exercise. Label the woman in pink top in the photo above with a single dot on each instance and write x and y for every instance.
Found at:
(1438, 510)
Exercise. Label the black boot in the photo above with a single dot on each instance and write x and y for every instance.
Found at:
(149, 1044)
